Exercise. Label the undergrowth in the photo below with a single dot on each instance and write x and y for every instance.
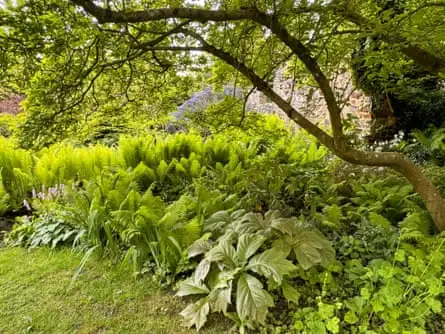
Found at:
(273, 234)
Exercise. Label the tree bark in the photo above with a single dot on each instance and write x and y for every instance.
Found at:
(431, 197)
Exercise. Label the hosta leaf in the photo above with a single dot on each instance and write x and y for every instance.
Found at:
(252, 301)
(220, 299)
(191, 287)
(196, 314)
(247, 246)
(272, 264)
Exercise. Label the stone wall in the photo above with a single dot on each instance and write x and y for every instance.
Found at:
(310, 102)
(10, 103)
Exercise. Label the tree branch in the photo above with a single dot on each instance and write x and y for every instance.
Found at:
(262, 86)
(429, 61)
(201, 15)
(303, 53)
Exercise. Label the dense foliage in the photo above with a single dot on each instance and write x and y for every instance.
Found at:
(272, 233)
(240, 214)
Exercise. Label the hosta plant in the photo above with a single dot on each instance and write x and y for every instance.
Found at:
(305, 242)
(45, 230)
(235, 265)
(225, 271)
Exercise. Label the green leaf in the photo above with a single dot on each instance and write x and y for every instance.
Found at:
(285, 225)
(379, 220)
(311, 248)
(200, 246)
(252, 301)
(224, 252)
(202, 269)
(333, 325)
(290, 293)
(219, 299)
(191, 287)
(436, 305)
(272, 264)
(326, 311)
(247, 246)
(162, 170)
(350, 317)
(196, 314)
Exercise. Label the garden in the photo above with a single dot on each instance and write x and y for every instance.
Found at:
(136, 199)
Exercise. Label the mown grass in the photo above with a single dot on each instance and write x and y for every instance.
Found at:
(34, 297)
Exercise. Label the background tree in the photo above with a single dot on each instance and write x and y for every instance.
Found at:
(404, 95)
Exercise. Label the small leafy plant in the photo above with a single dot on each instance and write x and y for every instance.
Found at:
(254, 252)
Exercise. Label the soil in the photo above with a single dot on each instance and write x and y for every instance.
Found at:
(5, 226)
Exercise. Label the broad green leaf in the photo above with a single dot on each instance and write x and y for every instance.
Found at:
(252, 301)
(311, 248)
(223, 278)
(272, 264)
(196, 314)
(200, 246)
(191, 287)
(224, 252)
(290, 293)
(220, 299)
(285, 225)
(247, 246)
(202, 269)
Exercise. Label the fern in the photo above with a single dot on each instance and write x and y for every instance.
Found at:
(16, 167)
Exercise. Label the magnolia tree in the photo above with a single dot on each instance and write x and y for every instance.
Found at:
(75, 48)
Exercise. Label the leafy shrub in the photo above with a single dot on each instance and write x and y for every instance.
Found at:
(265, 245)
(65, 164)
(4, 199)
(45, 230)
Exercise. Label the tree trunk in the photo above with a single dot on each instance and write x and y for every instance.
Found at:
(431, 197)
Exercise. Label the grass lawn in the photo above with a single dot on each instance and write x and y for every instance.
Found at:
(34, 297)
